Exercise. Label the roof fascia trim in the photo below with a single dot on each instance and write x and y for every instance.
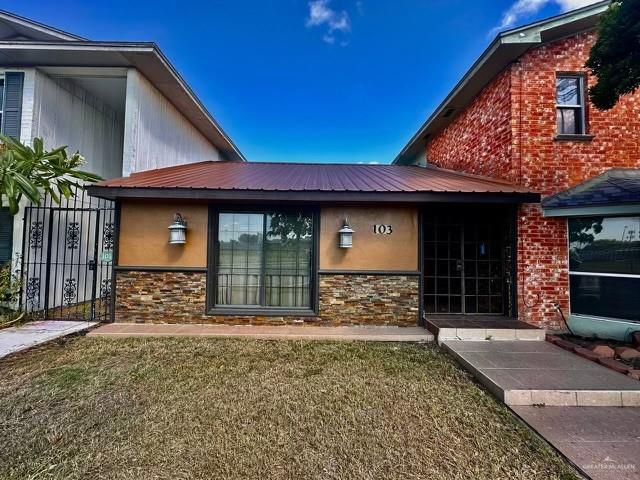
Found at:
(527, 35)
(40, 27)
(592, 210)
(311, 196)
(134, 47)
(491, 49)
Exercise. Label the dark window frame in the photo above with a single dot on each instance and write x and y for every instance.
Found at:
(577, 273)
(581, 106)
(2, 99)
(212, 264)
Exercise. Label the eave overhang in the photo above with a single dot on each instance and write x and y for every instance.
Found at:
(613, 192)
(146, 57)
(316, 197)
(505, 49)
(593, 210)
(30, 28)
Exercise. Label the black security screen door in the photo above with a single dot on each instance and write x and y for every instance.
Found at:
(465, 263)
(67, 258)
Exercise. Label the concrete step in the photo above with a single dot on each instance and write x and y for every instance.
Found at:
(283, 332)
(539, 373)
(477, 329)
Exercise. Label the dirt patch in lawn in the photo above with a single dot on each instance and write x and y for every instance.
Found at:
(189, 408)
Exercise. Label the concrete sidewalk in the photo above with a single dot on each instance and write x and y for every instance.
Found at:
(16, 339)
(301, 332)
(568, 400)
(603, 442)
(540, 373)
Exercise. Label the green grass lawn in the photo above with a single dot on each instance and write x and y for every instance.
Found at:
(196, 408)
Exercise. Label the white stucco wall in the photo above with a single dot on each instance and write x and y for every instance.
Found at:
(156, 134)
(66, 114)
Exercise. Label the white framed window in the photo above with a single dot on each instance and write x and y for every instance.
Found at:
(570, 104)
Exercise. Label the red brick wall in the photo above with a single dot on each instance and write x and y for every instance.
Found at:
(530, 155)
(549, 165)
(479, 140)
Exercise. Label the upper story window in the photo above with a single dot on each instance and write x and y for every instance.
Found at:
(570, 105)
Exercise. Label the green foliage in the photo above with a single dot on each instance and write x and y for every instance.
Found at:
(33, 171)
(615, 57)
(10, 283)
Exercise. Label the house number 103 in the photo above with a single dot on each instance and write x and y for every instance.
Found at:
(382, 229)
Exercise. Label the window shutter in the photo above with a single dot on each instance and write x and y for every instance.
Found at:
(11, 118)
(6, 235)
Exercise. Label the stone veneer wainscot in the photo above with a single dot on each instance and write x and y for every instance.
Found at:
(344, 299)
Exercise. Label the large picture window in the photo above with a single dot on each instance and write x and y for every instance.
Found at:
(264, 259)
(604, 266)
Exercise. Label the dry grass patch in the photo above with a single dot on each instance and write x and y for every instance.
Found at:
(189, 408)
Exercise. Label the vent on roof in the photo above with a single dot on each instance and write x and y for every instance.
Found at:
(448, 112)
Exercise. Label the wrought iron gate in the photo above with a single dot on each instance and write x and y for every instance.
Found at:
(67, 258)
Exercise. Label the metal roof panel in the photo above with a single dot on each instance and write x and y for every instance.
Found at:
(308, 177)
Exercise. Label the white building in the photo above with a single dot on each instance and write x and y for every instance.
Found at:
(122, 105)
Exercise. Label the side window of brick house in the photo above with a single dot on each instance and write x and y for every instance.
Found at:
(570, 105)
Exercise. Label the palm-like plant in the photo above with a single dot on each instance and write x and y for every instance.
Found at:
(34, 172)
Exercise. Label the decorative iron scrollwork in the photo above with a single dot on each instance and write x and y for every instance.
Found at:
(108, 236)
(69, 290)
(105, 288)
(32, 292)
(73, 235)
(35, 235)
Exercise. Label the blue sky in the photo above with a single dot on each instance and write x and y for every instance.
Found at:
(315, 81)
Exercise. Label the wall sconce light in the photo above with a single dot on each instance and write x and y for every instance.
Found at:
(178, 230)
(346, 235)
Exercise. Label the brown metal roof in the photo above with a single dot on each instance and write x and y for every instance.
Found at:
(305, 178)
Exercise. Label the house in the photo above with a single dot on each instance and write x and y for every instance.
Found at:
(269, 243)
(522, 114)
(452, 229)
(126, 109)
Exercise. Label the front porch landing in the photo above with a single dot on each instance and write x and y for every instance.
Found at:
(479, 327)
(284, 332)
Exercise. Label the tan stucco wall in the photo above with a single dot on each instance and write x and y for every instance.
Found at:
(398, 251)
(144, 237)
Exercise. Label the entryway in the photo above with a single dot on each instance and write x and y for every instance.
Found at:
(468, 264)
(67, 258)
(481, 327)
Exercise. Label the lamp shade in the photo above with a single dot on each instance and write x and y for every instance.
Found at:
(178, 231)
(346, 236)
